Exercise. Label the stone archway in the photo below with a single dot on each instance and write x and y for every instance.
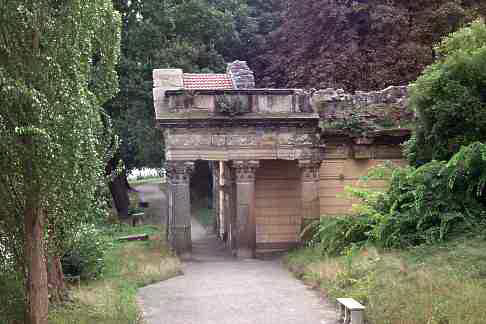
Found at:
(266, 139)
(238, 131)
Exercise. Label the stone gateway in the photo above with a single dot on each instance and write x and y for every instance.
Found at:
(276, 162)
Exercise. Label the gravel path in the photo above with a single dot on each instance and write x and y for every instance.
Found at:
(156, 213)
(217, 289)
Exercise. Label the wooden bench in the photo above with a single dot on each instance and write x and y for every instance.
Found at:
(140, 237)
(352, 312)
(137, 218)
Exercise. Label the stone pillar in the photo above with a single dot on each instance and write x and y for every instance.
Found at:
(179, 225)
(310, 182)
(245, 208)
(215, 203)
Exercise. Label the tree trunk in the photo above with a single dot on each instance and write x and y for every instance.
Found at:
(55, 280)
(36, 276)
(119, 192)
(118, 187)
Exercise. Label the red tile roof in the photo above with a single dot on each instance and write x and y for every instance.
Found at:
(207, 81)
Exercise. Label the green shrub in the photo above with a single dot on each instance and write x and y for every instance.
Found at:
(86, 255)
(422, 205)
(449, 98)
(12, 307)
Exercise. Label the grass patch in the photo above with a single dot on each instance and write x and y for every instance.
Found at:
(153, 180)
(438, 284)
(130, 265)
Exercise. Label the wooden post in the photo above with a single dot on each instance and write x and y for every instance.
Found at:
(179, 224)
(245, 208)
(310, 182)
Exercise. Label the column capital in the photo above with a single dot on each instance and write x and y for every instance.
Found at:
(179, 172)
(310, 169)
(245, 170)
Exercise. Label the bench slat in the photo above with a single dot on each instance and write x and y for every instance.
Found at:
(350, 303)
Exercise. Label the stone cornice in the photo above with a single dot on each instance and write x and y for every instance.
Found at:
(178, 92)
(240, 121)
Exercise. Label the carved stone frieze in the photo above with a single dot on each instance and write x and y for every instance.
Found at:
(310, 169)
(218, 140)
(242, 140)
(245, 170)
(296, 139)
(179, 172)
(184, 140)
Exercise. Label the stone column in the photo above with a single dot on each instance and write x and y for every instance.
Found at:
(245, 208)
(310, 182)
(216, 188)
(179, 225)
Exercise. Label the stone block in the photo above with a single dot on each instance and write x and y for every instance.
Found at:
(274, 104)
(168, 78)
(204, 102)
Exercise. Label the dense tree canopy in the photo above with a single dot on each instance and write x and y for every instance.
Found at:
(358, 45)
(196, 36)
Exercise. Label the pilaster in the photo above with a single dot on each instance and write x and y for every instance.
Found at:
(230, 207)
(179, 224)
(310, 182)
(216, 200)
(245, 230)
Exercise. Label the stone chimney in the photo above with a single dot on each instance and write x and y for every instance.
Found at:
(241, 75)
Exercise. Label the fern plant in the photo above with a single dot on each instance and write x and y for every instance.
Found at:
(422, 205)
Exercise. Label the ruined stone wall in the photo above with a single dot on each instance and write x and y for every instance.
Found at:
(360, 131)
(363, 112)
(241, 75)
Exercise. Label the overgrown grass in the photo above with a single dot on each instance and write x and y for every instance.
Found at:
(130, 265)
(434, 284)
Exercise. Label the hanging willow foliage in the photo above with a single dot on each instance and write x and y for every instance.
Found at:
(57, 67)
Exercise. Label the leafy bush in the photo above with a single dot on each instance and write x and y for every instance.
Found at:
(12, 307)
(86, 255)
(450, 98)
(422, 205)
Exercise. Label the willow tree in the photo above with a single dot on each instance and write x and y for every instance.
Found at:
(57, 67)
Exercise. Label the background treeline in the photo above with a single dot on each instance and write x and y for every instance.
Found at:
(355, 45)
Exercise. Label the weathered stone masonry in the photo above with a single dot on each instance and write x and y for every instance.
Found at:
(275, 165)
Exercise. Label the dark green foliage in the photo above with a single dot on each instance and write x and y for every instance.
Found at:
(86, 256)
(450, 98)
(196, 36)
(422, 205)
(13, 297)
(334, 234)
